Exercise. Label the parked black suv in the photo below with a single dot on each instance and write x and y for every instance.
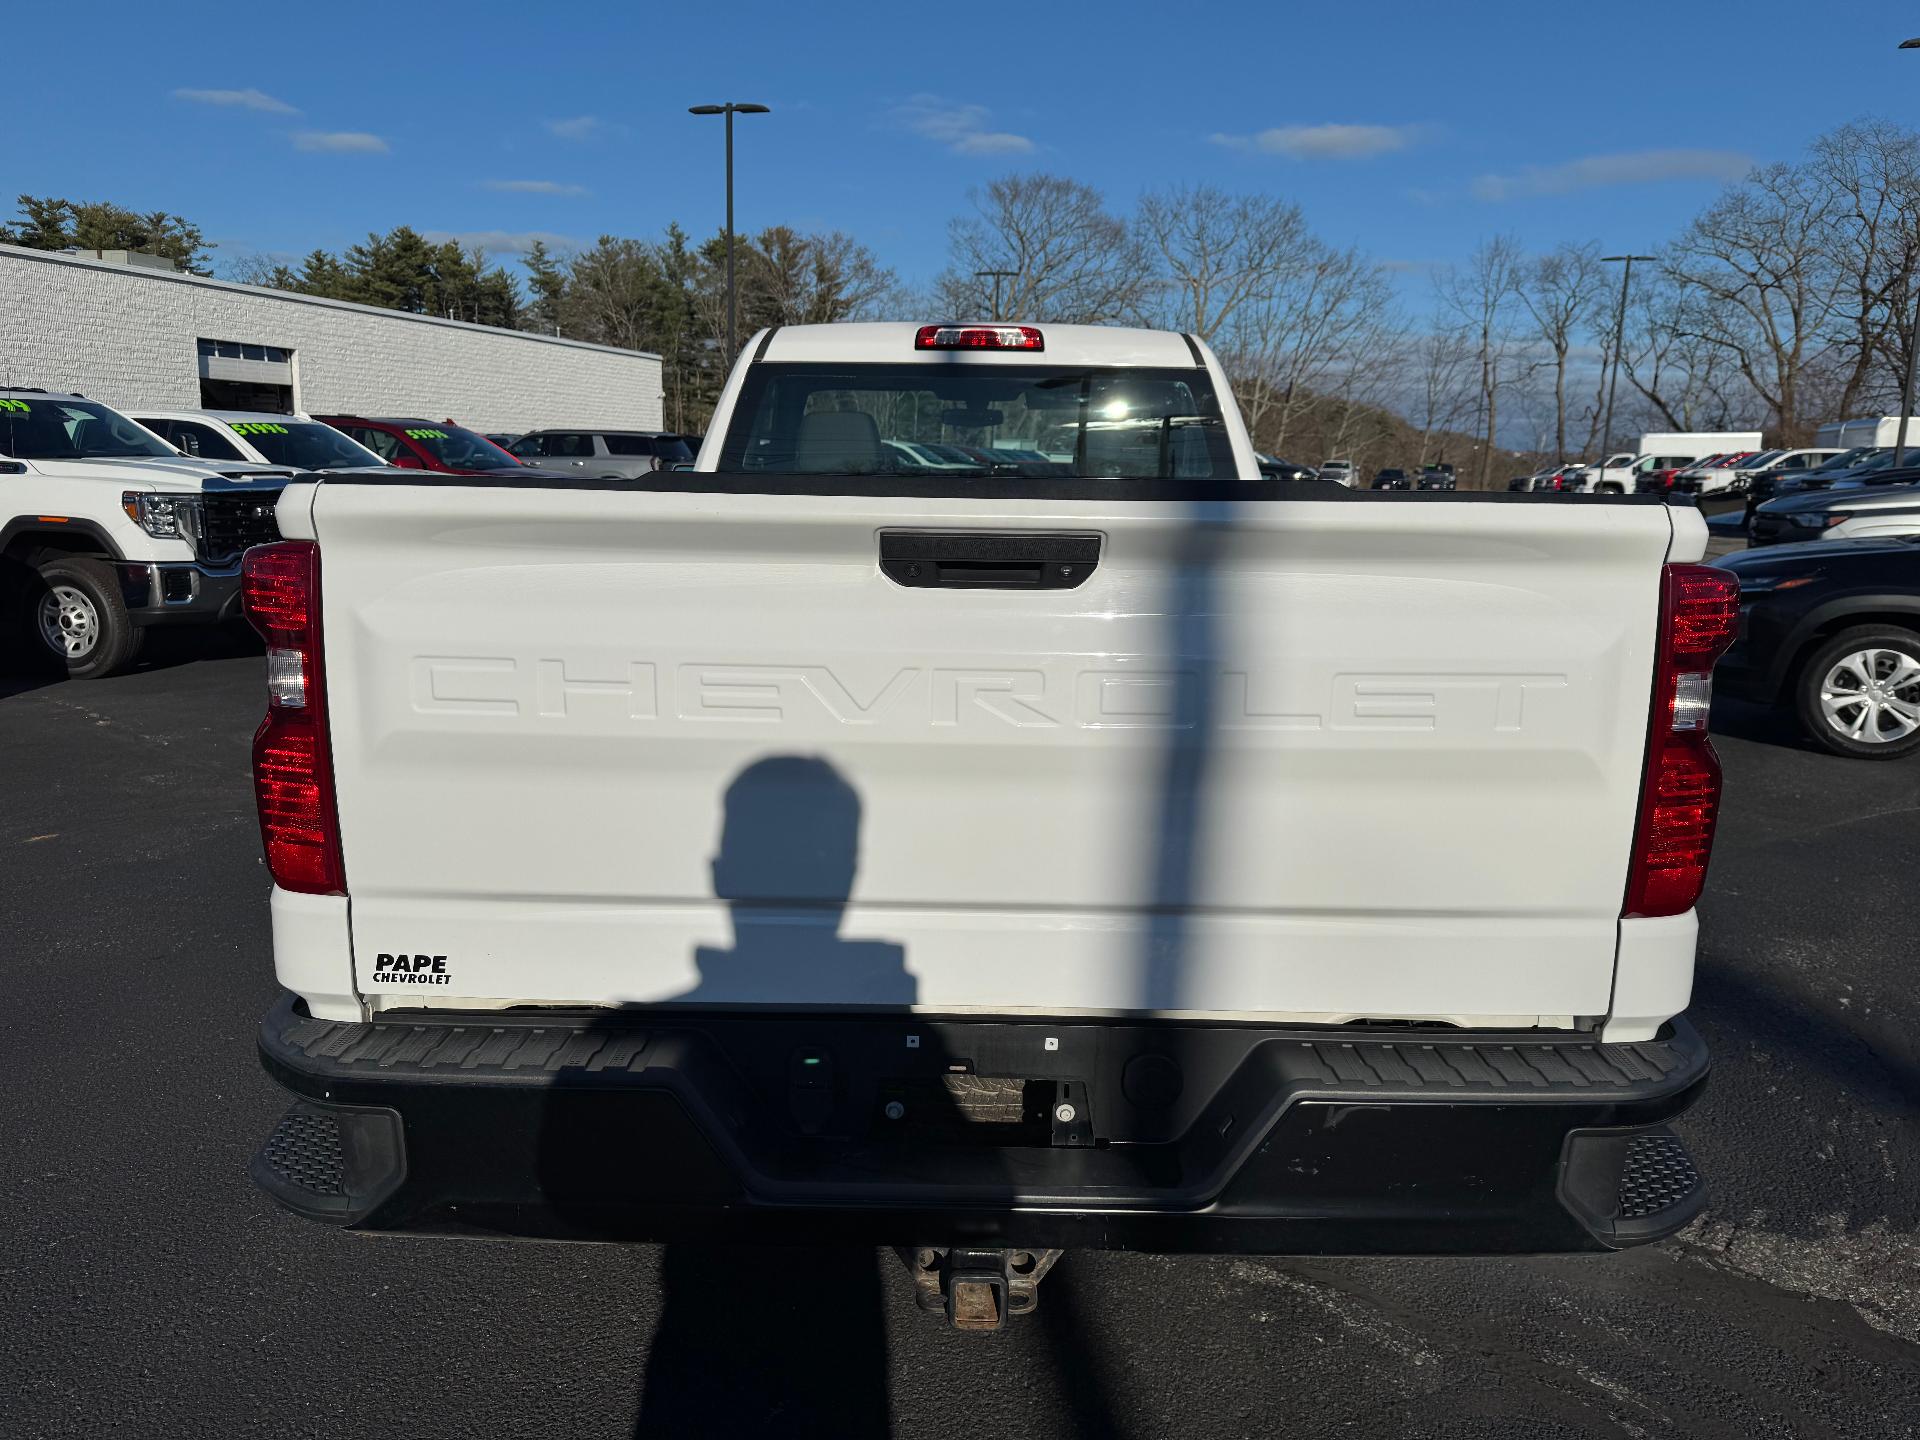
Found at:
(1831, 628)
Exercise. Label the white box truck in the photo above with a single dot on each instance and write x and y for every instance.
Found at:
(1869, 430)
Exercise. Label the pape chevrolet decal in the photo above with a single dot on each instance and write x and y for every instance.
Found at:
(410, 970)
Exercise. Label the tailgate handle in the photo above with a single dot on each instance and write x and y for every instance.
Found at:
(988, 560)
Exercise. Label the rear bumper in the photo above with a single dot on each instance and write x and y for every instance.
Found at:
(1180, 1137)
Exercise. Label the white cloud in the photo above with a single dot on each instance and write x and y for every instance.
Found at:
(339, 142)
(992, 142)
(535, 187)
(961, 128)
(580, 127)
(503, 242)
(245, 99)
(1637, 167)
(1325, 142)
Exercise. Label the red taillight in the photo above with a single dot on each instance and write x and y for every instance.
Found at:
(292, 757)
(277, 590)
(978, 337)
(1701, 611)
(1680, 795)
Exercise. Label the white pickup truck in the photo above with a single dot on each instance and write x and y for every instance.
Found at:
(1120, 850)
(106, 530)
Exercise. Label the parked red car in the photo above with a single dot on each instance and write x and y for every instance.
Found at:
(426, 444)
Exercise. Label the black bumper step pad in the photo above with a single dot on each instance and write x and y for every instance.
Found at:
(1659, 1174)
(304, 1152)
(334, 1163)
(1631, 1188)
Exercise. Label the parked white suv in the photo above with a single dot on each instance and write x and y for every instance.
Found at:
(106, 529)
(1340, 471)
(220, 436)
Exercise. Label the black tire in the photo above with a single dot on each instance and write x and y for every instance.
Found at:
(1609, 487)
(77, 597)
(1845, 660)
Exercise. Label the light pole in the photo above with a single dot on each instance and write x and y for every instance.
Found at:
(730, 109)
(998, 276)
(1913, 348)
(1619, 340)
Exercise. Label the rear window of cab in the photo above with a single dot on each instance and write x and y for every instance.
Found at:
(954, 422)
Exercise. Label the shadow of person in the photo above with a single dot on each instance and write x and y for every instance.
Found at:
(763, 1341)
(755, 1340)
(789, 847)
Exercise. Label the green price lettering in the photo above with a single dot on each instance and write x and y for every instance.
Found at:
(257, 427)
(426, 434)
(16, 405)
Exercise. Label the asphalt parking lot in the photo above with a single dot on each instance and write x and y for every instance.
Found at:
(147, 1289)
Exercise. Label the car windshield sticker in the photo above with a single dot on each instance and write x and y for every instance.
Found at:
(16, 405)
(255, 427)
(426, 434)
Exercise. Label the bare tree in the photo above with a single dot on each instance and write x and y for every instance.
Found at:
(615, 293)
(1220, 253)
(1072, 261)
(793, 279)
(1561, 292)
(1289, 346)
(1684, 379)
(1480, 295)
(257, 269)
(1759, 283)
(1872, 171)
(1361, 426)
(1440, 364)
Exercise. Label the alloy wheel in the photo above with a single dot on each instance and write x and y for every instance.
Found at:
(1873, 696)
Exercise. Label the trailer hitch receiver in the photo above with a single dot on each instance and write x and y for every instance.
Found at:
(978, 1289)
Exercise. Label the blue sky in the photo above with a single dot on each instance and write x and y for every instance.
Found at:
(1413, 130)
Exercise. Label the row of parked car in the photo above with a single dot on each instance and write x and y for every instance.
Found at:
(334, 442)
(113, 522)
(1730, 472)
(1344, 472)
(1858, 494)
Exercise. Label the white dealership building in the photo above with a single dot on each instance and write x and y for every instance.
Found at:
(130, 330)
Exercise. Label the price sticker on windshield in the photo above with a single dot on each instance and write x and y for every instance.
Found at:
(256, 427)
(426, 434)
(20, 405)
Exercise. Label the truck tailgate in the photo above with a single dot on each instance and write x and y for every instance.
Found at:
(1322, 759)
